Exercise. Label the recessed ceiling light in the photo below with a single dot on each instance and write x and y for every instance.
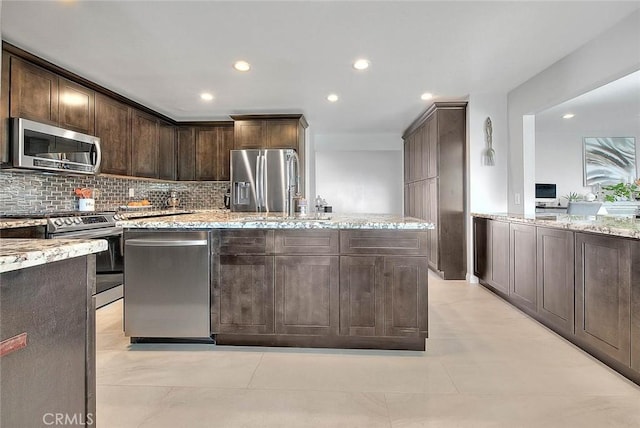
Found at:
(332, 97)
(568, 116)
(361, 64)
(426, 96)
(206, 96)
(242, 66)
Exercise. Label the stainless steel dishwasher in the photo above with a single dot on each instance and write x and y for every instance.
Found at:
(166, 284)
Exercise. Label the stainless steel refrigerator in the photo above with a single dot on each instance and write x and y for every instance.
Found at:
(264, 180)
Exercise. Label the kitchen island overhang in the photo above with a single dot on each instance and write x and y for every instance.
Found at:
(340, 282)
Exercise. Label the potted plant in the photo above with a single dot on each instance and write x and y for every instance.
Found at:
(621, 192)
(573, 197)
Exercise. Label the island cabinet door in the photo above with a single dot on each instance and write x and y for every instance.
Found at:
(405, 296)
(362, 295)
(244, 301)
(522, 266)
(603, 292)
(555, 278)
(635, 305)
(307, 300)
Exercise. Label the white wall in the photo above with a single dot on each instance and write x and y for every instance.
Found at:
(486, 185)
(358, 173)
(559, 157)
(613, 54)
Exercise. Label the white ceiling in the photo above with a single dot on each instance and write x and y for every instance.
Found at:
(163, 54)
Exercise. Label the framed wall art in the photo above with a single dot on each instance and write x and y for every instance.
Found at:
(609, 160)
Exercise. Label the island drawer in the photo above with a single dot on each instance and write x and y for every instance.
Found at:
(306, 241)
(246, 241)
(391, 242)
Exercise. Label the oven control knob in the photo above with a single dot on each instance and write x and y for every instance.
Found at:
(68, 221)
(58, 222)
(77, 220)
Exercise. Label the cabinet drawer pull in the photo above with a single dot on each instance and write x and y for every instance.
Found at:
(13, 344)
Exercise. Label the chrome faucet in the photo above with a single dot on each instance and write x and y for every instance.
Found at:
(293, 182)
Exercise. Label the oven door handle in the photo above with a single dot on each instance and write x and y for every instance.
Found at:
(90, 234)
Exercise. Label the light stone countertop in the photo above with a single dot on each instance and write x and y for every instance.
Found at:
(23, 253)
(624, 226)
(10, 223)
(217, 219)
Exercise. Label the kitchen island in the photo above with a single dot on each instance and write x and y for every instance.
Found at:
(47, 330)
(578, 275)
(340, 281)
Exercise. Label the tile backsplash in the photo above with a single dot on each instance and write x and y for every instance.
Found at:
(29, 192)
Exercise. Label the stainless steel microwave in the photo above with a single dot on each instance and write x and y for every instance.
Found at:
(46, 147)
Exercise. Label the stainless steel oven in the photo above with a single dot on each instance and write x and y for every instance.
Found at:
(109, 263)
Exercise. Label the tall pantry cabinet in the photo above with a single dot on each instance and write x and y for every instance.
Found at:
(434, 183)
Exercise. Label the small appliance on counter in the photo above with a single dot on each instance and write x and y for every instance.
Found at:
(173, 201)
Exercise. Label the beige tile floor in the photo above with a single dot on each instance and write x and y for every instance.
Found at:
(486, 365)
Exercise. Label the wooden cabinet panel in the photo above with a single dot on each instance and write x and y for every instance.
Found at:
(603, 276)
(307, 295)
(5, 147)
(417, 154)
(113, 127)
(635, 305)
(306, 241)
(424, 151)
(144, 145)
(246, 299)
(186, 153)
(249, 241)
(432, 138)
(407, 161)
(432, 216)
(225, 145)
(34, 92)
(383, 242)
(206, 153)
(481, 248)
(522, 266)
(282, 133)
(76, 107)
(555, 278)
(362, 295)
(249, 134)
(405, 296)
(167, 152)
(499, 256)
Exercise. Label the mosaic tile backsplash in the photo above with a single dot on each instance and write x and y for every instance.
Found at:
(29, 192)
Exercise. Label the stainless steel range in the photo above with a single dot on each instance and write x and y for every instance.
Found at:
(109, 263)
(89, 225)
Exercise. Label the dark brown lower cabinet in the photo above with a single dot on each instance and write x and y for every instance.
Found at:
(522, 266)
(405, 292)
(555, 278)
(603, 281)
(48, 314)
(245, 295)
(362, 296)
(307, 299)
(635, 305)
(491, 253)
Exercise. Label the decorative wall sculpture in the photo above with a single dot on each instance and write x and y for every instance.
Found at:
(609, 160)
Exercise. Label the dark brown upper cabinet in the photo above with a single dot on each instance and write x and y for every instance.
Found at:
(167, 152)
(144, 145)
(113, 126)
(76, 107)
(249, 134)
(43, 96)
(204, 152)
(5, 156)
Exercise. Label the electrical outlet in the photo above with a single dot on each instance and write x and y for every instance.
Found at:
(132, 192)
(517, 198)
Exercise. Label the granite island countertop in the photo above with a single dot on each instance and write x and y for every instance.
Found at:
(217, 219)
(624, 226)
(23, 253)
